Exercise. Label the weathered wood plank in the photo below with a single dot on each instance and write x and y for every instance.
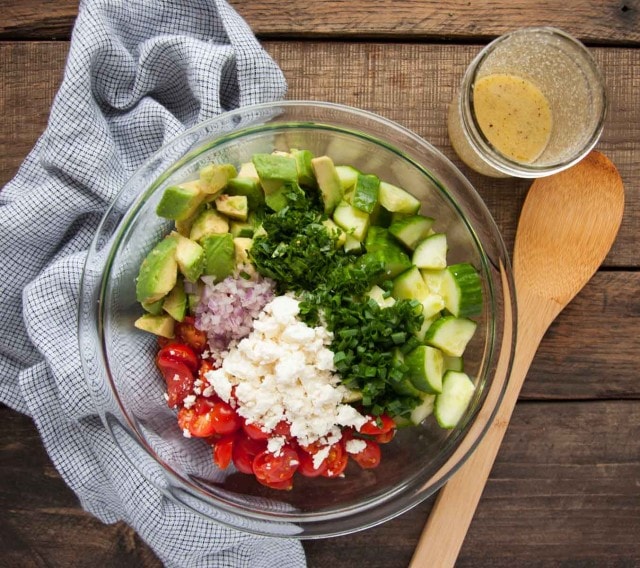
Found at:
(563, 490)
(411, 84)
(610, 21)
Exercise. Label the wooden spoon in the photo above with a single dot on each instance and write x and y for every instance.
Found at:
(567, 226)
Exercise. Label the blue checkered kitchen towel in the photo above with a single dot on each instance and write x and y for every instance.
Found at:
(139, 73)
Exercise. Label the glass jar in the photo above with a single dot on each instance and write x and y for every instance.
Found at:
(531, 103)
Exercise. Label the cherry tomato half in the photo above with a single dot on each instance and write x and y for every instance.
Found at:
(178, 378)
(215, 415)
(187, 332)
(178, 352)
(254, 431)
(307, 467)
(386, 437)
(336, 461)
(378, 425)
(369, 457)
(270, 468)
(222, 451)
(244, 450)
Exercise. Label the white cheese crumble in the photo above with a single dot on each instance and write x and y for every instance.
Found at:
(284, 370)
(355, 446)
(189, 401)
(186, 433)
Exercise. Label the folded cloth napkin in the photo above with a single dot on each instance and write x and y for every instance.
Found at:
(139, 73)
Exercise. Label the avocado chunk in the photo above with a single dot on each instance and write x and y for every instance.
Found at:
(158, 272)
(274, 170)
(214, 177)
(207, 223)
(241, 246)
(175, 304)
(161, 325)
(179, 202)
(365, 193)
(328, 182)
(248, 170)
(233, 206)
(244, 228)
(183, 226)
(248, 187)
(154, 308)
(303, 159)
(190, 258)
(219, 252)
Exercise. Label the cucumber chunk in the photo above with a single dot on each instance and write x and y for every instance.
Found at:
(409, 285)
(451, 404)
(451, 334)
(431, 252)
(365, 193)
(352, 220)
(425, 368)
(347, 176)
(453, 363)
(378, 295)
(411, 230)
(397, 200)
(462, 290)
(423, 410)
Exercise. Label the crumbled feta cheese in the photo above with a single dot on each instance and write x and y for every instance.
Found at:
(355, 446)
(275, 444)
(186, 433)
(320, 456)
(189, 401)
(283, 370)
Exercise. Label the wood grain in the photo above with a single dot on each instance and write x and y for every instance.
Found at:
(566, 475)
(594, 21)
(409, 83)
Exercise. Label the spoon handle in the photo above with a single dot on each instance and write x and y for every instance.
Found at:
(455, 506)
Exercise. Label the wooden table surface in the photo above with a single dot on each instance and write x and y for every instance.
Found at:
(565, 489)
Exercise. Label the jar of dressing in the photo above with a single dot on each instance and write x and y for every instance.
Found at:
(531, 103)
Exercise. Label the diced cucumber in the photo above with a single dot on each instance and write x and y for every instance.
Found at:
(462, 290)
(328, 182)
(434, 280)
(451, 334)
(409, 285)
(432, 305)
(336, 231)
(453, 363)
(451, 404)
(348, 176)
(394, 261)
(352, 245)
(397, 200)
(378, 294)
(352, 220)
(426, 324)
(411, 230)
(423, 410)
(425, 368)
(400, 380)
(431, 252)
(365, 193)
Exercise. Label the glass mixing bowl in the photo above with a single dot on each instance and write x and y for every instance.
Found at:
(128, 391)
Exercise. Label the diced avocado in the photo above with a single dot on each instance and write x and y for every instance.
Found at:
(328, 182)
(241, 246)
(243, 228)
(352, 220)
(248, 187)
(233, 206)
(279, 198)
(333, 229)
(209, 222)
(274, 171)
(190, 257)
(352, 245)
(411, 230)
(347, 176)
(183, 226)
(409, 285)
(248, 170)
(397, 200)
(214, 177)
(378, 295)
(365, 193)
(303, 159)
(179, 202)
(425, 367)
(175, 303)
(219, 252)
(154, 308)
(192, 303)
(158, 272)
(161, 325)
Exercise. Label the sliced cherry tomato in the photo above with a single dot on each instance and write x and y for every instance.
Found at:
(187, 332)
(221, 417)
(285, 485)
(369, 457)
(244, 450)
(378, 425)
(222, 451)
(254, 431)
(386, 437)
(270, 468)
(206, 366)
(336, 461)
(283, 428)
(307, 467)
(179, 380)
(179, 352)
(198, 425)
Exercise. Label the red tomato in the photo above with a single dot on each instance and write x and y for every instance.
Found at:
(378, 425)
(306, 466)
(198, 425)
(244, 450)
(270, 468)
(188, 333)
(369, 457)
(386, 437)
(222, 451)
(284, 485)
(220, 415)
(178, 352)
(179, 380)
(255, 432)
(283, 428)
(206, 366)
(336, 461)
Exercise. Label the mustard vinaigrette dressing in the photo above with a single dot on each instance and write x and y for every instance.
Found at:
(514, 116)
